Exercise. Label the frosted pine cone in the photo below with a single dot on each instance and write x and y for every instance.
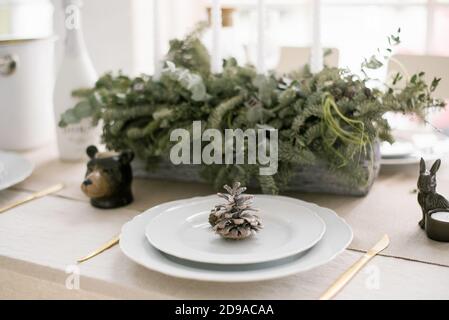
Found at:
(235, 219)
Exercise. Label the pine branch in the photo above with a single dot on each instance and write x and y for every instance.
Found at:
(216, 117)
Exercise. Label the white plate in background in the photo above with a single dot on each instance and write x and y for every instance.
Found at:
(426, 146)
(398, 149)
(14, 168)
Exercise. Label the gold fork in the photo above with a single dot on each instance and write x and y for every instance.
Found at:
(351, 272)
(104, 247)
(33, 196)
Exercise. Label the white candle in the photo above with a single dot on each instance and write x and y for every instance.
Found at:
(216, 39)
(156, 41)
(440, 216)
(260, 36)
(316, 59)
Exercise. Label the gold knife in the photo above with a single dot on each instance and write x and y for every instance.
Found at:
(104, 247)
(351, 272)
(33, 196)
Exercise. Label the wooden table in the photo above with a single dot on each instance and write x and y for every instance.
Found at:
(40, 242)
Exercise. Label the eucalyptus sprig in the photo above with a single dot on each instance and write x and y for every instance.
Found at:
(377, 61)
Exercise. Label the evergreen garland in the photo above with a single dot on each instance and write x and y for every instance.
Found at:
(332, 116)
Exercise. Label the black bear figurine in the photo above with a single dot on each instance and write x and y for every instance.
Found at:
(108, 178)
(428, 198)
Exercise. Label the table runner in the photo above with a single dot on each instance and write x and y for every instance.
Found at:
(40, 239)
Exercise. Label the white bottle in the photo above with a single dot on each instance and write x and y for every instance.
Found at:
(76, 71)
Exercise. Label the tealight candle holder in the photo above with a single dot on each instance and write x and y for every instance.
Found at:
(437, 225)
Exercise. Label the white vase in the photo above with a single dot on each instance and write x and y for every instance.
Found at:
(76, 71)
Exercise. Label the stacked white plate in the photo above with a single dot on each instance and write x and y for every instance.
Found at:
(176, 239)
(402, 152)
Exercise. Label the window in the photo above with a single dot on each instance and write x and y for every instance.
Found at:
(355, 27)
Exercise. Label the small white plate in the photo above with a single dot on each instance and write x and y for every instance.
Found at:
(136, 247)
(183, 231)
(412, 159)
(399, 149)
(13, 169)
(426, 146)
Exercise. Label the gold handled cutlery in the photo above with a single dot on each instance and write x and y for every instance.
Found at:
(33, 196)
(104, 247)
(356, 267)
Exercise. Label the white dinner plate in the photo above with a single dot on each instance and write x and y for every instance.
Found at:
(182, 230)
(429, 151)
(412, 159)
(135, 246)
(13, 169)
(399, 149)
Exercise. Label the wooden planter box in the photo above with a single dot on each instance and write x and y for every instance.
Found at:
(316, 178)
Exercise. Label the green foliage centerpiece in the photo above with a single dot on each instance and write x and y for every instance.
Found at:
(333, 116)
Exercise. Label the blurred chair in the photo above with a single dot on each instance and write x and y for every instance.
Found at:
(293, 58)
(433, 66)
